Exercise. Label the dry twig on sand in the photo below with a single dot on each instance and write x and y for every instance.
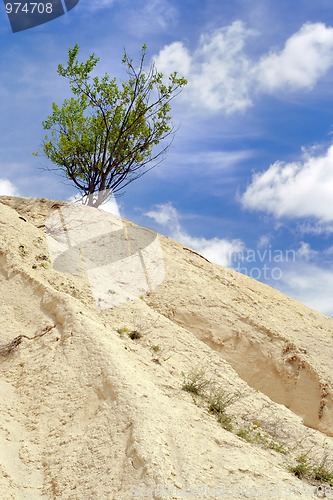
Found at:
(6, 349)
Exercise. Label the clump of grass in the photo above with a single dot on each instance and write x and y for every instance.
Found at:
(218, 409)
(253, 435)
(216, 399)
(195, 382)
(225, 420)
(272, 445)
(135, 335)
(219, 400)
(246, 434)
(122, 330)
(306, 468)
(303, 467)
(323, 475)
(155, 348)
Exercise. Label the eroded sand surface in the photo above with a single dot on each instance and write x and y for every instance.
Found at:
(87, 412)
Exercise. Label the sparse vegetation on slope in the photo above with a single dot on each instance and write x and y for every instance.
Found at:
(117, 422)
(312, 470)
(216, 399)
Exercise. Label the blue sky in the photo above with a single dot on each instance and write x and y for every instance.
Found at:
(248, 181)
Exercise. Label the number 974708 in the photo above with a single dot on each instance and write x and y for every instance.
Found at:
(29, 8)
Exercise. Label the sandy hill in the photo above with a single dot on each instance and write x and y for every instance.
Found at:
(211, 385)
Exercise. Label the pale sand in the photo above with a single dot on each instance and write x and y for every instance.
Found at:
(87, 413)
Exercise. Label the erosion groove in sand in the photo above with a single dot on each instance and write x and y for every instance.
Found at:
(271, 365)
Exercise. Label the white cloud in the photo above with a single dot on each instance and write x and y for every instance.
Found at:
(263, 241)
(306, 57)
(217, 250)
(318, 229)
(218, 70)
(222, 77)
(310, 284)
(7, 188)
(305, 251)
(217, 160)
(298, 189)
(174, 57)
(301, 279)
(165, 215)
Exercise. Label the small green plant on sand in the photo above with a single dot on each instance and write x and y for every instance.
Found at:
(43, 261)
(253, 435)
(216, 399)
(155, 348)
(122, 330)
(134, 335)
(303, 467)
(306, 468)
(195, 382)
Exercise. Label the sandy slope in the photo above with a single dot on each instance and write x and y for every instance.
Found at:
(89, 413)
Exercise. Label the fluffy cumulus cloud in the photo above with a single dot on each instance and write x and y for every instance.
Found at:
(306, 57)
(165, 215)
(217, 70)
(222, 76)
(298, 189)
(174, 57)
(7, 188)
(217, 250)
